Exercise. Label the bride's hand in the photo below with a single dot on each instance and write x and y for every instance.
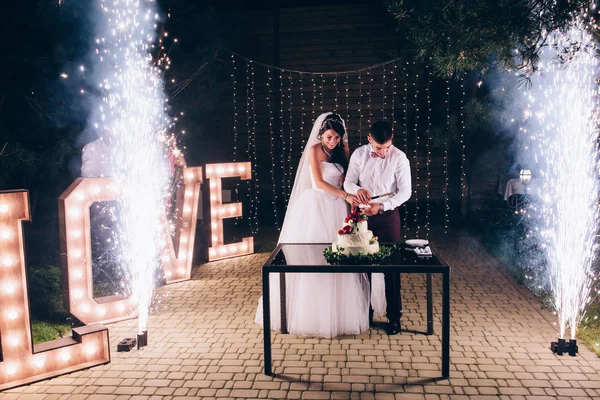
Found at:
(352, 200)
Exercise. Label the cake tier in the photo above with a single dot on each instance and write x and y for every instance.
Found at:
(368, 249)
(355, 239)
(362, 227)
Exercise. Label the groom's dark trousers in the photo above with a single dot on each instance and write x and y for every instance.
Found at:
(386, 227)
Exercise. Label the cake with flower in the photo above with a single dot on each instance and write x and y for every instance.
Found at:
(354, 237)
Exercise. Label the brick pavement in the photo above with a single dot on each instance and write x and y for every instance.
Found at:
(204, 344)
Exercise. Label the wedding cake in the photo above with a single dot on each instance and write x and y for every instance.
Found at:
(354, 237)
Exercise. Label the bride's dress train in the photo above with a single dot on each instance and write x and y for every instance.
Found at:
(322, 305)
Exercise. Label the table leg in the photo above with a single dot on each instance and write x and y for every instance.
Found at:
(370, 280)
(283, 302)
(267, 323)
(446, 325)
(429, 306)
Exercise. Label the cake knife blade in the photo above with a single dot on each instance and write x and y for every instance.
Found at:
(382, 195)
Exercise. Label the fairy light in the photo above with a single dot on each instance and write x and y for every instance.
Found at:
(253, 187)
(370, 78)
(269, 87)
(405, 102)
(416, 129)
(256, 202)
(428, 151)
(335, 86)
(347, 104)
(303, 109)
(360, 114)
(383, 99)
(463, 176)
(446, 205)
(249, 199)
(234, 83)
(314, 96)
(322, 91)
(235, 114)
(282, 158)
(393, 72)
(318, 103)
(291, 131)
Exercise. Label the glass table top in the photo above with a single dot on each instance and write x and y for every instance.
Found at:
(312, 254)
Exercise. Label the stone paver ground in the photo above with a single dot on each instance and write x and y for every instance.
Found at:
(203, 344)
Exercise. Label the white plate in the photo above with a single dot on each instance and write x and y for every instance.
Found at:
(417, 242)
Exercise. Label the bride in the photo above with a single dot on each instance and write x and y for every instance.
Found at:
(321, 304)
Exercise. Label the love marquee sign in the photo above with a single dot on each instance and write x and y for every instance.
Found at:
(21, 362)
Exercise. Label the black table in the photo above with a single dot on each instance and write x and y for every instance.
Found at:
(308, 258)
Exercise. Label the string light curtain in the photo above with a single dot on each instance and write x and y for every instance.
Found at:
(276, 120)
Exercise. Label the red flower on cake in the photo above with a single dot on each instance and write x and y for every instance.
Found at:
(356, 217)
(352, 220)
(346, 229)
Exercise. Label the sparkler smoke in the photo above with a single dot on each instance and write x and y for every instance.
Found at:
(562, 121)
(132, 114)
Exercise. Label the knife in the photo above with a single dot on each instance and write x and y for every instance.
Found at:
(382, 195)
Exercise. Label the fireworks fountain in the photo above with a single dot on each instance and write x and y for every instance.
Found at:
(563, 127)
(133, 112)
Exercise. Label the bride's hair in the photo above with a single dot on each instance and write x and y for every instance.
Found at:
(335, 122)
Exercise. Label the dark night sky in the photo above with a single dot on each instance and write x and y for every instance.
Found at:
(268, 4)
(43, 114)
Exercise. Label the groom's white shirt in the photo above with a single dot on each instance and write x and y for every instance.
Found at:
(380, 175)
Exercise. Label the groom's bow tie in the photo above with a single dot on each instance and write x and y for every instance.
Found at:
(375, 155)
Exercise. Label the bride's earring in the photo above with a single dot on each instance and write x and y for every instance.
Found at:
(319, 137)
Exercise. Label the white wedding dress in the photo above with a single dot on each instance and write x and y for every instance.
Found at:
(321, 305)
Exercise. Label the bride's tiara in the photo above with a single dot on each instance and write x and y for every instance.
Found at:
(332, 118)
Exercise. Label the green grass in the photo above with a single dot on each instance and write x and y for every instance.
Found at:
(46, 331)
(589, 329)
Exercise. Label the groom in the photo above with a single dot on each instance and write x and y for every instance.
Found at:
(380, 168)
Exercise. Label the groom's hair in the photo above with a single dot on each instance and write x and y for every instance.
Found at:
(381, 132)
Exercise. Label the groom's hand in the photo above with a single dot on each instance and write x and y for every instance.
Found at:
(372, 210)
(364, 196)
